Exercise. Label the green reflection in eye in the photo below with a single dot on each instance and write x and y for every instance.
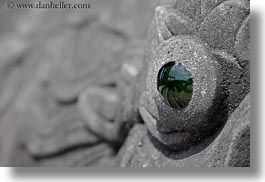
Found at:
(175, 84)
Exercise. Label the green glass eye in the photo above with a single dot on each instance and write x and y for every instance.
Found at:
(175, 84)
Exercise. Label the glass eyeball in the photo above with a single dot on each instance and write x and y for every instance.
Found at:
(175, 84)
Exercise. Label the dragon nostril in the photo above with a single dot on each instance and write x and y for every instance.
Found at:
(175, 84)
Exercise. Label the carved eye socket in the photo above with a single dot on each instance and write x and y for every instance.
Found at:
(175, 84)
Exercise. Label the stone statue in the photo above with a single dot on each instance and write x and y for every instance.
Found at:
(191, 91)
(196, 83)
(184, 101)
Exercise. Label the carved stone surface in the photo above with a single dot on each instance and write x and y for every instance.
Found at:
(48, 61)
(79, 88)
(213, 130)
(230, 148)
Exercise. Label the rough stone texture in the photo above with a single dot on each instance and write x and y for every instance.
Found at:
(230, 148)
(197, 116)
(220, 26)
(74, 83)
(111, 109)
(220, 81)
(48, 58)
(214, 48)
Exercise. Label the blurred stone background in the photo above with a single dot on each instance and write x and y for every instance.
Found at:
(47, 57)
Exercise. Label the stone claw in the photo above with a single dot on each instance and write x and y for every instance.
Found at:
(99, 106)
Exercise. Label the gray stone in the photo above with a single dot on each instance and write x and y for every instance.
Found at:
(111, 109)
(220, 26)
(79, 89)
(221, 82)
(242, 44)
(231, 147)
(48, 59)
